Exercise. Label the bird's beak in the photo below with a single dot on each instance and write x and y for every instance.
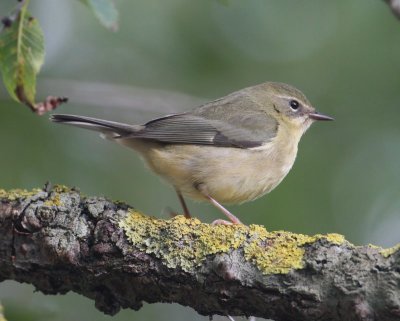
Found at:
(318, 116)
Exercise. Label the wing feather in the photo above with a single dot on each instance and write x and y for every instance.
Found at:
(233, 121)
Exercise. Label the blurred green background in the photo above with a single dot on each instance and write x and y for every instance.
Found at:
(172, 55)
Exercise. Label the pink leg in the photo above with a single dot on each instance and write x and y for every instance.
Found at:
(184, 206)
(203, 189)
(228, 214)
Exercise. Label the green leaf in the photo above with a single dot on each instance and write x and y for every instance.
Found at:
(21, 57)
(105, 12)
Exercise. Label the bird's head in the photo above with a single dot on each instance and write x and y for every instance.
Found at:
(288, 105)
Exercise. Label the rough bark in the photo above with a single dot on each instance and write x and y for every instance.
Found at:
(60, 241)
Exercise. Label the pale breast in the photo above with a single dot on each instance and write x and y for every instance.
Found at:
(230, 175)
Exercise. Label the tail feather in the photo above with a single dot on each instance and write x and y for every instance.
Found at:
(109, 128)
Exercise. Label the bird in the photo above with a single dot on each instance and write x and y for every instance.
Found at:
(228, 151)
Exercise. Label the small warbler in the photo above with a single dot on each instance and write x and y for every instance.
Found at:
(230, 150)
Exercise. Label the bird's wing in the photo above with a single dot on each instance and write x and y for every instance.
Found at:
(221, 123)
(232, 121)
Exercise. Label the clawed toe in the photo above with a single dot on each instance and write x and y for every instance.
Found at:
(221, 222)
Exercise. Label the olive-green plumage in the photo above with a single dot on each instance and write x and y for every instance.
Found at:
(231, 150)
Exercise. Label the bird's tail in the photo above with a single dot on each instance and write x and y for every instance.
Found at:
(109, 129)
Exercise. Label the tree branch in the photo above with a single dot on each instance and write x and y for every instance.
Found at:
(60, 241)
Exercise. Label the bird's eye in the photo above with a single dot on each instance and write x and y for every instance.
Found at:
(294, 104)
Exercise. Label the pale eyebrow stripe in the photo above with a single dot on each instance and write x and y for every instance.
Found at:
(286, 97)
(294, 98)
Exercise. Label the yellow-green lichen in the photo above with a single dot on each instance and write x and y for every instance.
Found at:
(180, 242)
(54, 200)
(15, 194)
(185, 243)
(391, 250)
(281, 251)
(61, 188)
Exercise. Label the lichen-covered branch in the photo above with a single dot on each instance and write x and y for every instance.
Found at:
(60, 241)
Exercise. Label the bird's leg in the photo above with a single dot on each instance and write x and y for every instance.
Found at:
(233, 219)
(228, 214)
(183, 203)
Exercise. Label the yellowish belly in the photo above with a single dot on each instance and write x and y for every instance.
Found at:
(230, 175)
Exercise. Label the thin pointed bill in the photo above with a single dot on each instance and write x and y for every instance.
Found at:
(317, 116)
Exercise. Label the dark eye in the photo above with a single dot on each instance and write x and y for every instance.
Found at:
(294, 104)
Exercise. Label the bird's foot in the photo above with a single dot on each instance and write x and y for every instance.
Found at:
(203, 190)
(233, 219)
(221, 222)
